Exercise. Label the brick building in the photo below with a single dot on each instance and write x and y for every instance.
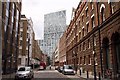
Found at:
(10, 35)
(23, 44)
(37, 53)
(56, 56)
(93, 39)
(62, 49)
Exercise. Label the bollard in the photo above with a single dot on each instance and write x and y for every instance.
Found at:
(99, 76)
(80, 72)
(87, 75)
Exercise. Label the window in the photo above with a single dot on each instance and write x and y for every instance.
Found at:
(21, 33)
(106, 53)
(5, 27)
(92, 5)
(7, 12)
(89, 57)
(16, 26)
(20, 43)
(93, 22)
(80, 60)
(13, 10)
(82, 18)
(87, 27)
(21, 24)
(113, 8)
(8, 4)
(88, 43)
(19, 61)
(83, 32)
(102, 15)
(79, 23)
(94, 40)
(27, 35)
(102, 7)
(77, 38)
(17, 20)
(96, 60)
(80, 35)
(84, 60)
(11, 28)
(84, 46)
(117, 51)
(86, 12)
(80, 47)
(6, 23)
(17, 17)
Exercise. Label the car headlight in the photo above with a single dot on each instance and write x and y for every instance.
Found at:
(74, 71)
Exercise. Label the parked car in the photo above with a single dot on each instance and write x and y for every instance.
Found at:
(56, 67)
(60, 69)
(24, 73)
(68, 69)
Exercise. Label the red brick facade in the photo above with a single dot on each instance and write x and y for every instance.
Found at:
(93, 38)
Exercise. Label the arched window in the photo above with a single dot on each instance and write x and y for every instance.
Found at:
(106, 53)
(83, 31)
(116, 48)
(102, 15)
(102, 7)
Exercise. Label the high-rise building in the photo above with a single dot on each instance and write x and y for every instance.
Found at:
(11, 12)
(54, 27)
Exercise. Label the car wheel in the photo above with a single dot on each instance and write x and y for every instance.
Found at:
(32, 76)
(63, 72)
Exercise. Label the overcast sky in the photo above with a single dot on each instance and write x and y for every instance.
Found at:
(36, 9)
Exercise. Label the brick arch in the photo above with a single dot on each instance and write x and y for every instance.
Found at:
(105, 41)
(102, 6)
(106, 54)
(115, 39)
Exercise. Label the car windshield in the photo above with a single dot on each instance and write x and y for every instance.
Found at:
(27, 69)
(68, 67)
(21, 69)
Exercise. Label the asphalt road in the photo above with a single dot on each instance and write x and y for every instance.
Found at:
(49, 75)
(53, 75)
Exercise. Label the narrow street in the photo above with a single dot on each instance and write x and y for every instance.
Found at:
(53, 74)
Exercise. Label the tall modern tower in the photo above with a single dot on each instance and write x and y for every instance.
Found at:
(54, 27)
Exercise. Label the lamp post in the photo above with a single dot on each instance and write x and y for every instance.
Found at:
(74, 57)
(28, 50)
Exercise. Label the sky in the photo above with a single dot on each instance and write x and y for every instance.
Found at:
(36, 9)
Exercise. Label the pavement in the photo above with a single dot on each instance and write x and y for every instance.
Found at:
(10, 76)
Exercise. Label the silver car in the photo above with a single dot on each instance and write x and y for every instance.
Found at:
(24, 72)
(68, 69)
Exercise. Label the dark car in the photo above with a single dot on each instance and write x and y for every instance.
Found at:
(56, 67)
(68, 69)
(60, 69)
